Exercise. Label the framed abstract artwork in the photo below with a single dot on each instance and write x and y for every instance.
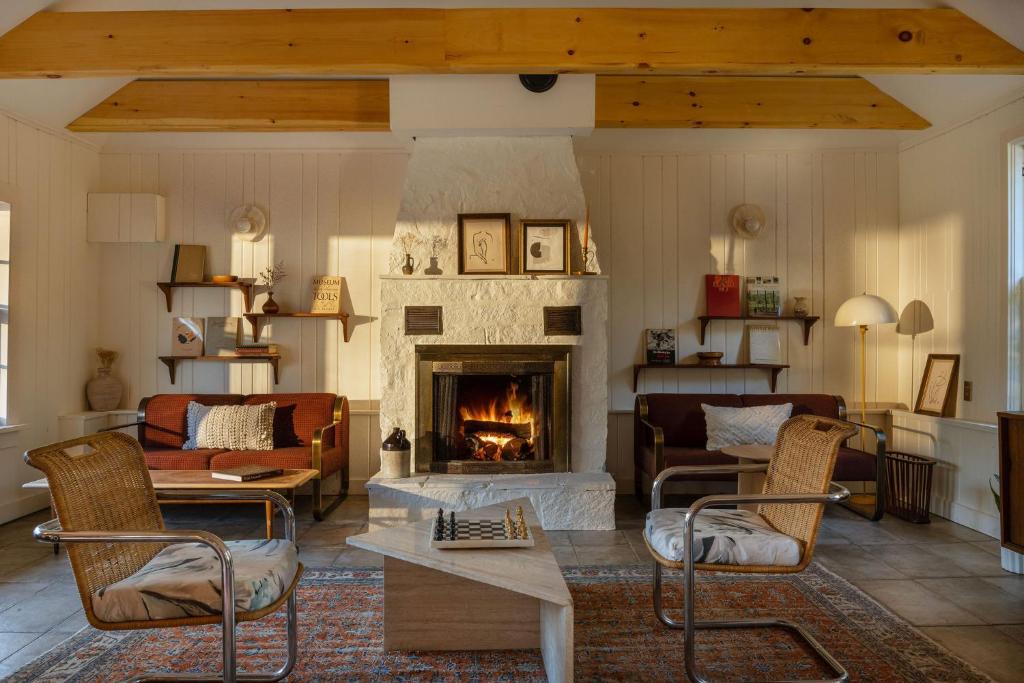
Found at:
(485, 243)
(545, 246)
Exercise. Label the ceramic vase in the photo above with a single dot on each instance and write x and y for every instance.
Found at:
(432, 269)
(270, 306)
(800, 307)
(103, 391)
(409, 266)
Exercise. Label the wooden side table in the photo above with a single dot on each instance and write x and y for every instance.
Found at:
(750, 482)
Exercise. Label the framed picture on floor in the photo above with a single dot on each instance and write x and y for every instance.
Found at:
(485, 243)
(545, 246)
(937, 393)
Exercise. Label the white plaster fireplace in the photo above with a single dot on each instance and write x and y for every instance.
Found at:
(529, 177)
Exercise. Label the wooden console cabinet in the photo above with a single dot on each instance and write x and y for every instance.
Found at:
(1011, 480)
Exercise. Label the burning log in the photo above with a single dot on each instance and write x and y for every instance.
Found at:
(515, 449)
(521, 430)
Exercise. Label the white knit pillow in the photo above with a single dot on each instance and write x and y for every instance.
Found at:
(735, 426)
(237, 428)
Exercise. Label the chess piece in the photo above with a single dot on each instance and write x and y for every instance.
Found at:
(452, 531)
(510, 530)
(439, 525)
(521, 528)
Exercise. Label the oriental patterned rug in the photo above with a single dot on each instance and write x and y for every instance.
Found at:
(617, 635)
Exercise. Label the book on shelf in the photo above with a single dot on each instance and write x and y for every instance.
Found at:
(222, 335)
(187, 337)
(764, 299)
(257, 350)
(247, 473)
(661, 346)
(722, 295)
(326, 294)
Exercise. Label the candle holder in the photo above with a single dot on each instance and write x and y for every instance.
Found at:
(587, 253)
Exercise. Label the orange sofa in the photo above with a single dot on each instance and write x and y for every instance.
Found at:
(310, 432)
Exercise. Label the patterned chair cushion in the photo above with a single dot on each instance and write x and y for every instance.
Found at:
(722, 537)
(184, 580)
(230, 427)
(734, 426)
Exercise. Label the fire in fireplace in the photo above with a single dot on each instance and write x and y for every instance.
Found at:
(496, 420)
(485, 409)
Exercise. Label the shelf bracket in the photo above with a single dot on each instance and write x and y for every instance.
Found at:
(167, 295)
(172, 366)
(775, 378)
(703, 328)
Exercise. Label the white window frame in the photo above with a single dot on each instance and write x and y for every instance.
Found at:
(1015, 271)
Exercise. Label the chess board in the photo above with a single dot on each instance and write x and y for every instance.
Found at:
(479, 533)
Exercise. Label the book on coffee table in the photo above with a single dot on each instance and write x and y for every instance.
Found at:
(247, 473)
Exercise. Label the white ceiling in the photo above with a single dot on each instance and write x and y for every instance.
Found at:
(943, 100)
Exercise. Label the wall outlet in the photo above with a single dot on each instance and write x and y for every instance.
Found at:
(968, 389)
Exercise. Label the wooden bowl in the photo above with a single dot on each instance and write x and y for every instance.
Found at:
(709, 358)
(224, 278)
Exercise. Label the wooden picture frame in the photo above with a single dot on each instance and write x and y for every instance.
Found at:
(485, 243)
(937, 394)
(540, 242)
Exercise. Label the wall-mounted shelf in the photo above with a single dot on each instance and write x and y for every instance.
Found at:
(172, 361)
(808, 322)
(773, 369)
(245, 286)
(254, 320)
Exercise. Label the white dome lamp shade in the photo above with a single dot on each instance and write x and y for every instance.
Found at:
(862, 311)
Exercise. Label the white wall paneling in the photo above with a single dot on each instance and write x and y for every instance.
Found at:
(663, 215)
(663, 221)
(45, 176)
(953, 254)
(330, 212)
(967, 455)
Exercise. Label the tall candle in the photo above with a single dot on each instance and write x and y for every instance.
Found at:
(586, 231)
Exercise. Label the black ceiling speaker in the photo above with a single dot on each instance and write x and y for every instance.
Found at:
(538, 82)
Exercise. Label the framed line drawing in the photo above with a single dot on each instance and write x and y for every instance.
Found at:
(485, 243)
(937, 394)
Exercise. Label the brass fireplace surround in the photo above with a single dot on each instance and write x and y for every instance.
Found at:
(487, 359)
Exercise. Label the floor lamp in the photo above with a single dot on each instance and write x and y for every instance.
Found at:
(862, 311)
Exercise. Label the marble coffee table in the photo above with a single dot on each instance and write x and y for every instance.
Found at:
(474, 599)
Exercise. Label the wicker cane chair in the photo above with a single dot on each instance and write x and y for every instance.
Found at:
(797, 486)
(109, 517)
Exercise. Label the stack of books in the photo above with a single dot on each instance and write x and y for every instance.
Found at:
(257, 350)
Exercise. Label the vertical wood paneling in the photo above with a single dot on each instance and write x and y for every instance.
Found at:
(833, 213)
(953, 238)
(53, 294)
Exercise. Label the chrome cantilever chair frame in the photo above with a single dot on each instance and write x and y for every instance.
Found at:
(690, 625)
(50, 532)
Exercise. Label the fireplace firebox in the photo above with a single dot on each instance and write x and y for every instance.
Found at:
(493, 409)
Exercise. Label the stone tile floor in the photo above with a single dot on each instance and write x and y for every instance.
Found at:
(943, 578)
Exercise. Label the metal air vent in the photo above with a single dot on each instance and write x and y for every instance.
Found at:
(563, 320)
(423, 320)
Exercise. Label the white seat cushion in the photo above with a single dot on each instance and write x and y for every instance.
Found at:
(184, 580)
(722, 537)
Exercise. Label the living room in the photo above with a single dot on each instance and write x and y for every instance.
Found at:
(563, 274)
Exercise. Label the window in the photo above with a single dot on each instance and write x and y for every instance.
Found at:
(1015, 365)
(5, 291)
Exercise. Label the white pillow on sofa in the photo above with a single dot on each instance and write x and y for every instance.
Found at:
(236, 428)
(735, 426)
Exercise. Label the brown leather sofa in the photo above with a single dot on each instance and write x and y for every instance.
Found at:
(669, 430)
(310, 432)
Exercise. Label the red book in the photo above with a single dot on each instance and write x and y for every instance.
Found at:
(723, 294)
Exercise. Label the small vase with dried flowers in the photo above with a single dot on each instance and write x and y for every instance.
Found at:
(269, 277)
(104, 390)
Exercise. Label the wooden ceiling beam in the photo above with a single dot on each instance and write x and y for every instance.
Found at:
(232, 43)
(322, 105)
(748, 102)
